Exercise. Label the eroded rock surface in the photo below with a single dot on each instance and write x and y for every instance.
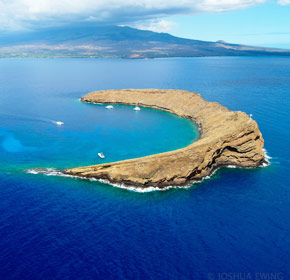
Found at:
(226, 138)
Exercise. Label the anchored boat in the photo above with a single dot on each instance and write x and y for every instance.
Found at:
(101, 155)
(137, 108)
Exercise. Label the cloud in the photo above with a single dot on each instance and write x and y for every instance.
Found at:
(284, 2)
(157, 25)
(21, 14)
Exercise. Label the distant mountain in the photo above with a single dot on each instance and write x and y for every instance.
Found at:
(117, 41)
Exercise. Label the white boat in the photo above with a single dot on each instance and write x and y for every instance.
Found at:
(101, 155)
(109, 107)
(137, 108)
(59, 123)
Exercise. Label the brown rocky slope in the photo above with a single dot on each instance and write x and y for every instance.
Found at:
(226, 138)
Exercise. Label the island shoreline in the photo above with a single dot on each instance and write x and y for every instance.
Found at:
(226, 138)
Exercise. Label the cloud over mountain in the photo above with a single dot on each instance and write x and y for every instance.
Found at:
(26, 14)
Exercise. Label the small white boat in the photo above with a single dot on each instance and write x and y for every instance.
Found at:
(101, 155)
(59, 123)
(137, 108)
(109, 107)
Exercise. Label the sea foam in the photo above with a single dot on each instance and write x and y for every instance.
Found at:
(57, 172)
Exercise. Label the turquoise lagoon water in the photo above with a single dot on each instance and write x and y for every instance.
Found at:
(234, 224)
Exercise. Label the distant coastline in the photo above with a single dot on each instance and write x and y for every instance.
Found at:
(227, 138)
(111, 41)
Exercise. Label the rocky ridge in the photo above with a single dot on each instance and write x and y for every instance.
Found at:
(226, 138)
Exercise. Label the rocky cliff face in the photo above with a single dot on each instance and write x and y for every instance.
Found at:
(226, 138)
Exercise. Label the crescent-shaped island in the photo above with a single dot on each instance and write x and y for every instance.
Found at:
(227, 138)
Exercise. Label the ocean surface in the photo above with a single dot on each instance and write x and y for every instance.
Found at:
(235, 224)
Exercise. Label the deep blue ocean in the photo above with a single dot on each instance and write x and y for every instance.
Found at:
(235, 224)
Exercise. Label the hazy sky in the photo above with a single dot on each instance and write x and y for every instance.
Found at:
(266, 24)
(255, 22)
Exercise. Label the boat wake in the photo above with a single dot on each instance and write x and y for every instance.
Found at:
(31, 118)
